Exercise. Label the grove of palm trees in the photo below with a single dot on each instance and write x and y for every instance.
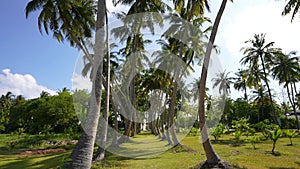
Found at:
(149, 92)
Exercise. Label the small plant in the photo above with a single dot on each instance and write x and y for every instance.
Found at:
(237, 136)
(240, 127)
(218, 131)
(253, 141)
(274, 135)
(290, 134)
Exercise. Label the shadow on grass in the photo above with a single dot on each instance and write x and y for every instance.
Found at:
(40, 161)
(221, 165)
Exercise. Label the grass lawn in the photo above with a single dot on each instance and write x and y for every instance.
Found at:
(149, 147)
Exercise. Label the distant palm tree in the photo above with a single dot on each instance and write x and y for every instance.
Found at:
(287, 70)
(240, 82)
(259, 53)
(223, 81)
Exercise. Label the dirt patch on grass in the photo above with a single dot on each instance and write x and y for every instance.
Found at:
(42, 151)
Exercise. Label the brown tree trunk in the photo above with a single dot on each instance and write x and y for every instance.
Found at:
(211, 156)
(172, 113)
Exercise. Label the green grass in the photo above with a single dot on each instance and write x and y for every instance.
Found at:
(148, 148)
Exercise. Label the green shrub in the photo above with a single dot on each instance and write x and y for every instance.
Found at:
(218, 131)
(290, 134)
(194, 132)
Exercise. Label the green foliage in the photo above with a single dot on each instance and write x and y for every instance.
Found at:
(288, 123)
(46, 114)
(194, 132)
(291, 134)
(254, 140)
(241, 127)
(274, 135)
(218, 131)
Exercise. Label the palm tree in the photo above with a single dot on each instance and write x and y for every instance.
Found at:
(291, 5)
(258, 54)
(70, 20)
(212, 157)
(83, 153)
(223, 81)
(286, 69)
(74, 21)
(240, 82)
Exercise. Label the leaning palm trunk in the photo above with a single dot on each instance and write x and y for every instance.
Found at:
(171, 114)
(269, 91)
(291, 99)
(212, 157)
(83, 153)
(103, 132)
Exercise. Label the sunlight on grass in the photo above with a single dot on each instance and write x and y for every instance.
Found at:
(243, 156)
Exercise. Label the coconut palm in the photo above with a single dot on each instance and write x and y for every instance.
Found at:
(70, 20)
(212, 157)
(286, 69)
(291, 5)
(240, 82)
(258, 54)
(223, 81)
(83, 153)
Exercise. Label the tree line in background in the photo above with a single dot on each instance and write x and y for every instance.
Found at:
(75, 22)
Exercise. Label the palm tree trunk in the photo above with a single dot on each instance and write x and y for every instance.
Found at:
(83, 153)
(211, 156)
(172, 113)
(115, 137)
(269, 91)
(103, 132)
(291, 99)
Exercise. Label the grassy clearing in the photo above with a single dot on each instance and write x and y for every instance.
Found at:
(143, 146)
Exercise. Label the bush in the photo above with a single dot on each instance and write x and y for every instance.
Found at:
(288, 123)
(194, 132)
(218, 131)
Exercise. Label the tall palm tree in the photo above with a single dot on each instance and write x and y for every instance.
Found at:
(74, 21)
(258, 54)
(291, 5)
(212, 157)
(286, 69)
(83, 153)
(240, 82)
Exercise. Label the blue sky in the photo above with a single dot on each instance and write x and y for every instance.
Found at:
(38, 62)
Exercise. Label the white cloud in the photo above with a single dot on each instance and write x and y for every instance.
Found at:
(21, 84)
(262, 18)
(80, 82)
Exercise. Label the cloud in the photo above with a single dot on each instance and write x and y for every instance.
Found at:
(81, 83)
(21, 84)
(262, 18)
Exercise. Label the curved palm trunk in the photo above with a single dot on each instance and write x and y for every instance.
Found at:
(83, 153)
(269, 91)
(211, 156)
